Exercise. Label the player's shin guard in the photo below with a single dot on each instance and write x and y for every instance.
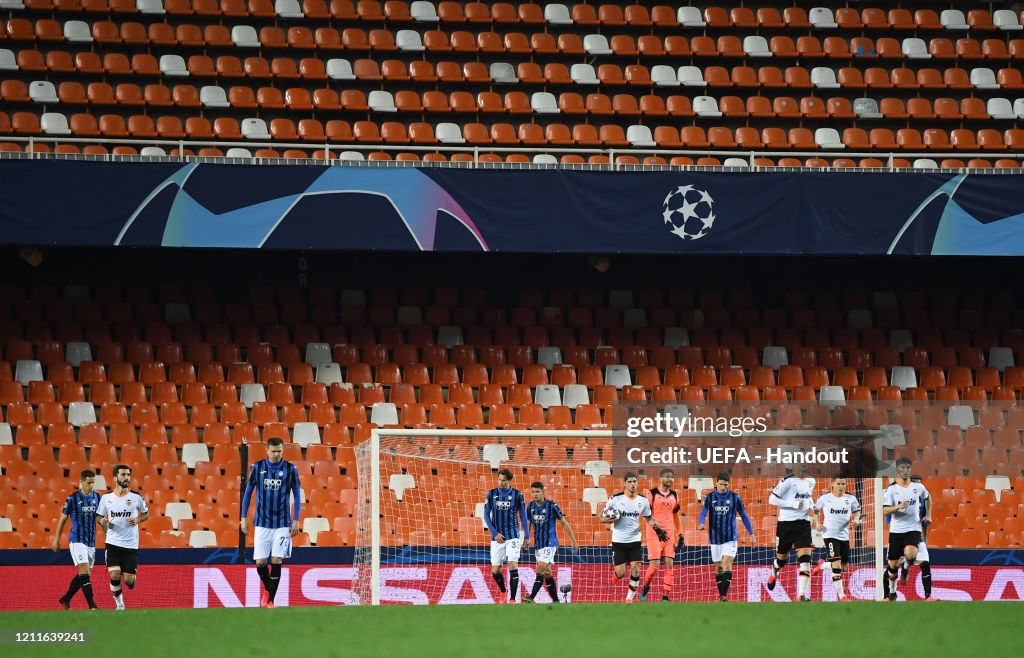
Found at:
(500, 579)
(634, 583)
(926, 579)
(86, 586)
(513, 583)
(777, 565)
(804, 579)
(264, 573)
(275, 580)
(549, 583)
(115, 588)
(891, 574)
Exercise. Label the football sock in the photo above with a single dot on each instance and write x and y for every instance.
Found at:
(837, 579)
(115, 589)
(500, 579)
(885, 583)
(538, 582)
(777, 566)
(76, 583)
(86, 585)
(264, 573)
(926, 579)
(892, 579)
(130, 584)
(549, 582)
(634, 582)
(804, 579)
(649, 576)
(720, 583)
(666, 583)
(275, 580)
(726, 581)
(513, 583)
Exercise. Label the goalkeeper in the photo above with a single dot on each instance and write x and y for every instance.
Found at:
(665, 507)
(624, 511)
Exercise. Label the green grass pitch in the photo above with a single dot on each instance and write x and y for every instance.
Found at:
(581, 631)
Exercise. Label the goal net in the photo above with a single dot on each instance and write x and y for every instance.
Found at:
(421, 536)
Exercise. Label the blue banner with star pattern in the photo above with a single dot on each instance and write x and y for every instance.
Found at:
(189, 204)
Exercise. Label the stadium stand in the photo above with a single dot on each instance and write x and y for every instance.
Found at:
(299, 68)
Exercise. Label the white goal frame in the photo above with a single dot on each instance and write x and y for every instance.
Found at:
(375, 482)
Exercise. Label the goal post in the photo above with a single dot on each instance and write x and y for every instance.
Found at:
(421, 537)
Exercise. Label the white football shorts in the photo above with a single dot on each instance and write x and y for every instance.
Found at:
(81, 554)
(272, 542)
(547, 554)
(508, 550)
(718, 551)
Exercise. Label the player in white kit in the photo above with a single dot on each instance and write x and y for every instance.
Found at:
(839, 510)
(120, 512)
(922, 549)
(902, 503)
(627, 549)
(794, 496)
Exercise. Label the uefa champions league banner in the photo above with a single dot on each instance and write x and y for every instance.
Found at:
(466, 210)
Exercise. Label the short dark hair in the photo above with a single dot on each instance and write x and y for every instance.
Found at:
(537, 485)
(903, 460)
(505, 473)
(118, 467)
(667, 472)
(722, 476)
(628, 476)
(275, 441)
(87, 474)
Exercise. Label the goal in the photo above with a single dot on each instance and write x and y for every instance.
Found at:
(421, 537)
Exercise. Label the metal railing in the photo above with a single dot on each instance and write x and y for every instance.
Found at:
(334, 154)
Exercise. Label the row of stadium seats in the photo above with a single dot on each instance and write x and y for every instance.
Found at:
(554, 14)
(181, 303)
(189, 35)
(531, 135)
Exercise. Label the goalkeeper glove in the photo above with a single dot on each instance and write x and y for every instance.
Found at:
(662, 535)
(680, 543)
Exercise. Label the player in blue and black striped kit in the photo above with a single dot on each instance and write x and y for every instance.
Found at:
(542, 514)
(723, 506)
(273, 479)
(504, 508)
(80, 507)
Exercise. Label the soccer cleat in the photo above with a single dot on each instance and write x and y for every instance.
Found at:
(844, 598)
(892, 597)
(931, 598)
(264, 599)
(513, 602)
(817, 568)
(723, 599)
(665, 599)
(64, 603)
(270, 604)
(805, 599)
(644, 592)
(120, 606)
(771, 582)
(527, 599)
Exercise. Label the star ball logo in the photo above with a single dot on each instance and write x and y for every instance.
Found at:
(689, 212)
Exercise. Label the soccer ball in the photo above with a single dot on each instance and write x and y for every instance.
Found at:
(689, 212)
(611, 513)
